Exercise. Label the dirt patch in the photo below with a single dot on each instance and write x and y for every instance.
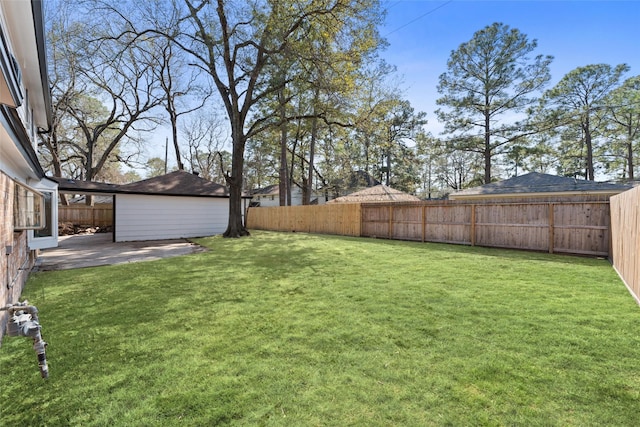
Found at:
(69, 229)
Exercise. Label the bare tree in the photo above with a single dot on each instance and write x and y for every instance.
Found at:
(235, 42)
(180, 83)
(205, 136)
(104, 93)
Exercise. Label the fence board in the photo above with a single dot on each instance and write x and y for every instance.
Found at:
(518, 225)
(407, 223)
(448, 223)
(580, 227)
(86, 215)
(625, 238)
(342, 219)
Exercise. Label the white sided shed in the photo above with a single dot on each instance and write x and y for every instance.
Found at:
(172, 206)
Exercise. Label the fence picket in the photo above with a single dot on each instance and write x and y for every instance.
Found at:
(625, 238)
(86, 215)
(580, 227)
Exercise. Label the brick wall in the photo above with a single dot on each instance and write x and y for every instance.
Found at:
(14, 266)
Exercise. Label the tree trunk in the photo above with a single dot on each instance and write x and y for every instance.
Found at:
(236, 227)
(174, 134)
(366, 154)
(312, 149)
(90, 172)
(290, 171)
(51, 141)
(630, 156)
(589, 143)
(388, 167)
(284, 181)
(487, 148)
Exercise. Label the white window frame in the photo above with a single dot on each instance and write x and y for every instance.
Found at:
(28, 208)
(46, 237)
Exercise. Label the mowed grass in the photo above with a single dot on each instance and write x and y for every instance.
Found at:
(305, 330)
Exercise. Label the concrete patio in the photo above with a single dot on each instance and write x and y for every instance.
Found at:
(91, 250)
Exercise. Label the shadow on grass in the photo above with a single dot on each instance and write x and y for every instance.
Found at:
(125, 295)
(327, 326)
(457, 249)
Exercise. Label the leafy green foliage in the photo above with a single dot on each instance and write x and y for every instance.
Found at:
(578, 102)
(623, 108)
(490, 78)
(296, 329)
(247, 51)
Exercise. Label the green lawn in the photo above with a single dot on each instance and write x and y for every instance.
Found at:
(305, 330)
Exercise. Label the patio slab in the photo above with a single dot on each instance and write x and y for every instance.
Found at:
(91, 250)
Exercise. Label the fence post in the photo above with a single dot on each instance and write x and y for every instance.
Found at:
(473, 225)
(610, 250)
(551, 228)
(424, 222)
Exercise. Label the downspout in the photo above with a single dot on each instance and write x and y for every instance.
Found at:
(11, 282)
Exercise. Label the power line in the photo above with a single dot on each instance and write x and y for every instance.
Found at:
(419, 17)
(393, 5)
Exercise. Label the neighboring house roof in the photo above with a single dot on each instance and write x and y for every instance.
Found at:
(356, 180)
(535, 183)
(379, 193)
(271, 190)
(360, 178)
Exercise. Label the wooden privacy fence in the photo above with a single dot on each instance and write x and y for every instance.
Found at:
(86, 215)
(625, 238)
(556, 227)
(342, 219)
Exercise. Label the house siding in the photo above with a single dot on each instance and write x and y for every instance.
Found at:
(148, 217)
(25, 106)
(267, 200)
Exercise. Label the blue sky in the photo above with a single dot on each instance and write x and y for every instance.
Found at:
(575, 33)
(422, 34)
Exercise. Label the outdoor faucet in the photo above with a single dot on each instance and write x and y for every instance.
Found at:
(23, 322)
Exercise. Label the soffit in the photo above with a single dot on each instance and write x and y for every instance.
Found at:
(21, 34)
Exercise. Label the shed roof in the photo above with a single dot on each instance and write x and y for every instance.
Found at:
(379, 193)
(178, 183)
(68, 185)
(535, 183)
